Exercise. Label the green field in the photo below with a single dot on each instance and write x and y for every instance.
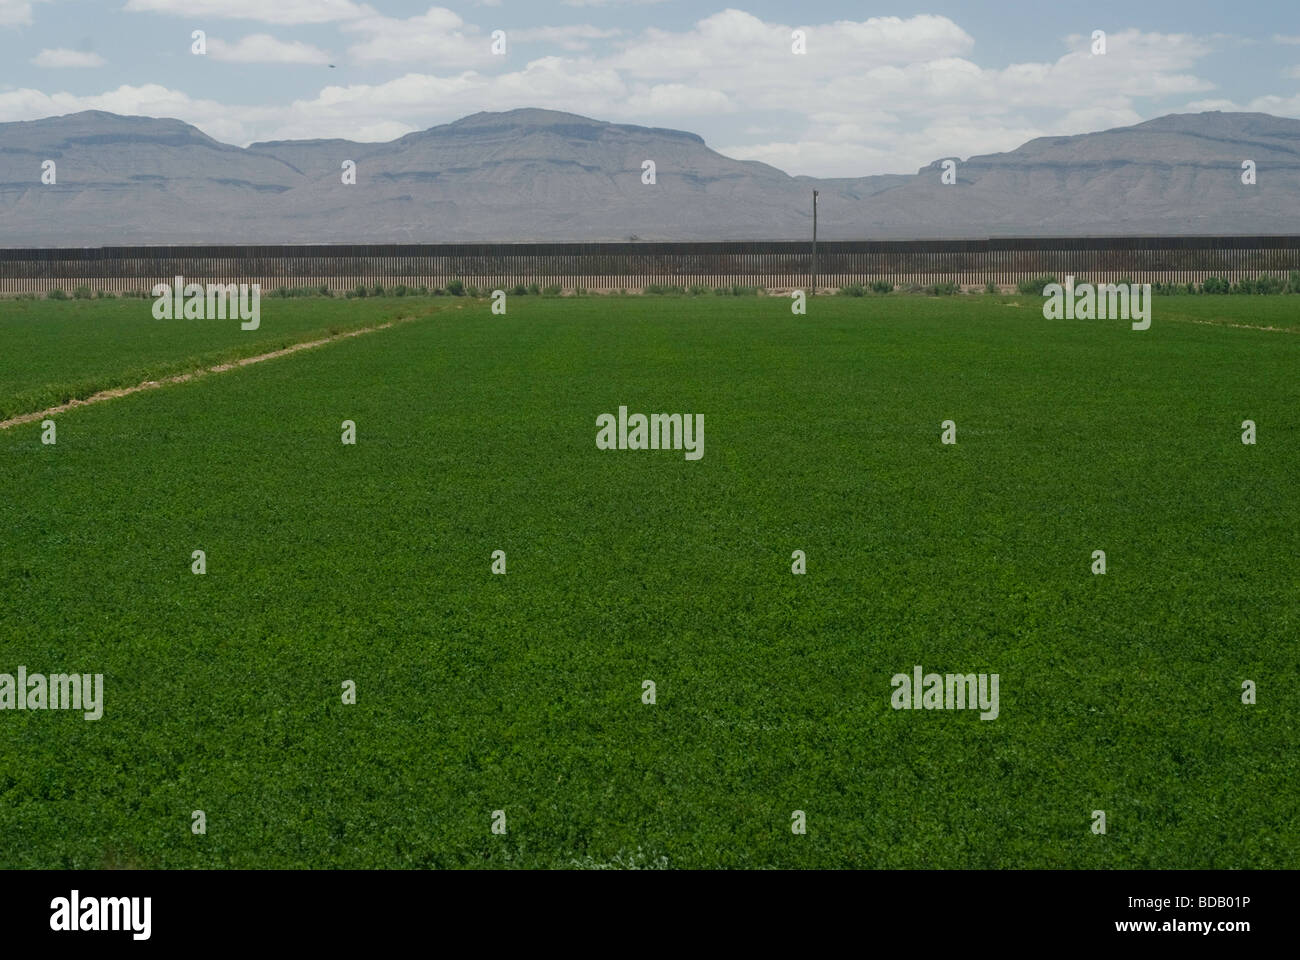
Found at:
(56, 352)
(479, 692)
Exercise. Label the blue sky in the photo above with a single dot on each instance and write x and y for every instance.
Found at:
(882, 88)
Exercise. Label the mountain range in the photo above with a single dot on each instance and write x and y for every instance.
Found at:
(543, 175)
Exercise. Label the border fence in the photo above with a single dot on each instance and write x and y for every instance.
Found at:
(605, 267)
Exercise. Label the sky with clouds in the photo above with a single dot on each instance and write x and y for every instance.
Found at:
(882, 88)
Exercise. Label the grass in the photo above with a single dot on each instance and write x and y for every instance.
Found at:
(62, 351)
(479, 692)
(1260, 311)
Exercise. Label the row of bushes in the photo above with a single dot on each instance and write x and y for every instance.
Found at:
(858, 290)
(456, 288)
(884, 286)
(1263, 284)
(701, 290)
(81, 293)
(1034, 286)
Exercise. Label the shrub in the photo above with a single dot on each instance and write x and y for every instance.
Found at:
(456, 288)
(882, 286)
(699, 290)
(534, 289)
(284, 292)
(360, 291)
(946, 289)
(992, 289)
(853, 290)
(378, 290)
(579, 291)
(551, 290)
(473, 291)
(399, 290)
(82, 292)
(1269, 285)
(1035, 285)
(519, 291)
(1294, 285)
(1216, 285)
(56, 294)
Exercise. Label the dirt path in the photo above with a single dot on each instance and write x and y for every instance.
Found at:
(1236, 326)
(192, 375)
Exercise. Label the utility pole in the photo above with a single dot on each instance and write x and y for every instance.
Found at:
(813, 293)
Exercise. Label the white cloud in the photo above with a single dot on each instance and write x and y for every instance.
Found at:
(738, 48)
(1270, 103)
(67, 58)
(16, 13)
(1100, 117)
(848, 150)
(264, 48)
(892, 94)
(884, 95)
(577, 37)
(267, 11)
(678, 100)
(1279, 106)
(438, 38)
(576, 86)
